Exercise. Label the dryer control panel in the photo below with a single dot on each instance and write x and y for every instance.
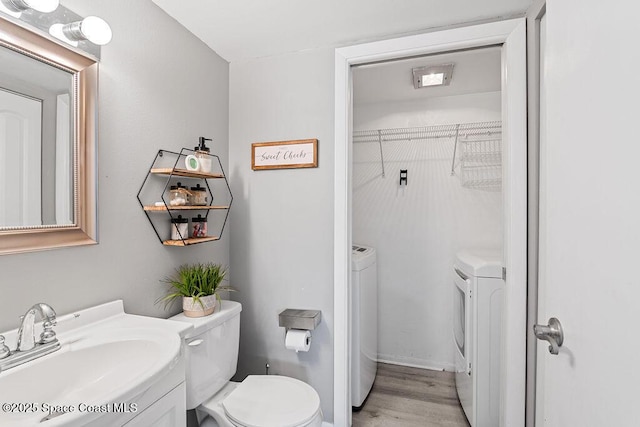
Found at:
(362, 257)
(363, 250)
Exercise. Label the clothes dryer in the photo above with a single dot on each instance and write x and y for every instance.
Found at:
(478, 304)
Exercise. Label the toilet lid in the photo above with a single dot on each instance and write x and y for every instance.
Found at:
(272, 401)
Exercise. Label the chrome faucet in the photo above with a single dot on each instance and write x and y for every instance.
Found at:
(26, 334)
(27, 347)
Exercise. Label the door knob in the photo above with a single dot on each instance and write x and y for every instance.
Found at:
(552, 333)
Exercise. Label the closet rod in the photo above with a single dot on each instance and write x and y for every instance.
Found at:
(497, 138)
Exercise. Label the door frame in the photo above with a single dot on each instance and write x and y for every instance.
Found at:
(511, 34)
(534, 15)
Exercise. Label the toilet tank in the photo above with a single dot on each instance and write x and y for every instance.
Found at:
(211, 351)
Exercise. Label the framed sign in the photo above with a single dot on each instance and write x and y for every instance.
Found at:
(302, 153)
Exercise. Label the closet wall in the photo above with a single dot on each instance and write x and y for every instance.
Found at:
(418, 228)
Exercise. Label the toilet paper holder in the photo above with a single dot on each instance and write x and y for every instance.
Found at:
(300, 319)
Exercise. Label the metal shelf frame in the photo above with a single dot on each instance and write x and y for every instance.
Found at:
(176, 172)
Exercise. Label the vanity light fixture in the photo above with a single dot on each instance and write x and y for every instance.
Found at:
(91, 28)
(41, 16)
(44, 6)
(16, 7)
(437, 75)
(5, 9)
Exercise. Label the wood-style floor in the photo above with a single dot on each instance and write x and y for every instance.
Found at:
(411, 397)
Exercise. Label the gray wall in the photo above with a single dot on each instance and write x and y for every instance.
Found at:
(160, 87)
(282, 223)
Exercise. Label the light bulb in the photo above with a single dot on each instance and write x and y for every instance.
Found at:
(91, 28)
(9, 11)
(44, 6)
(96, 30)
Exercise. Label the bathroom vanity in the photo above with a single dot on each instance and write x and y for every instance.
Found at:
(112, 369)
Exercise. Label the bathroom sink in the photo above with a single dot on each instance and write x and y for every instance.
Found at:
(102, 369)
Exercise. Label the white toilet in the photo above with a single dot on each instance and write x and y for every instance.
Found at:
(259, 400)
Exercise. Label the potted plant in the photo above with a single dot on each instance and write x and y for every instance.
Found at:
(198, 286)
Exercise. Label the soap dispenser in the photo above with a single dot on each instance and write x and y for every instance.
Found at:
(202, 154)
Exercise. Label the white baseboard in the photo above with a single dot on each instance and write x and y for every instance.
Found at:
(415, 362)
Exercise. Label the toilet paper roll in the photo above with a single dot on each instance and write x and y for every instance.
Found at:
(298, 340)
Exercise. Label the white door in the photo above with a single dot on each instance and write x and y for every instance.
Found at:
(589, 230)
(20, 160)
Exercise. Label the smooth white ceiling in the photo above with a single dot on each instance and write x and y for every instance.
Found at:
(474, 71)
(243, 29)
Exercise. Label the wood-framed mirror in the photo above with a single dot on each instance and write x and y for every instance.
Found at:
(48, 114)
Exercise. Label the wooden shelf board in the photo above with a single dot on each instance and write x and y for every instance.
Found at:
(182, 208)
(192, 241)
(185, 173)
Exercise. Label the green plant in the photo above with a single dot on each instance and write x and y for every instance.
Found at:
(196, 281)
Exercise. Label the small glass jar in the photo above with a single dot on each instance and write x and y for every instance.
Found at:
(178, 195)
(204, 160)
(199, 227)
(198, 195)
(179, 228)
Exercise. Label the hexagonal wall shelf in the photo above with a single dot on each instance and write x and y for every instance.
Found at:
(171, 169)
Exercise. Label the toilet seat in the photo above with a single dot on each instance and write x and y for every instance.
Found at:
(272, 400)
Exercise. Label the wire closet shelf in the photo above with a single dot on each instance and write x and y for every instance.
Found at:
(477, 149)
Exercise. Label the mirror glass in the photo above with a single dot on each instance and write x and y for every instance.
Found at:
(48, 98)
(36, 142)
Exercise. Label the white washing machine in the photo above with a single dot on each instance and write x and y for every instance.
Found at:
(364, 317)
(477, 330)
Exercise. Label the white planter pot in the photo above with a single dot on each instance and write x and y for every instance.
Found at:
(193, 308)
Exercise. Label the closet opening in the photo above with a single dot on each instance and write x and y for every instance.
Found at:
(426, 199)
(510, 35)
